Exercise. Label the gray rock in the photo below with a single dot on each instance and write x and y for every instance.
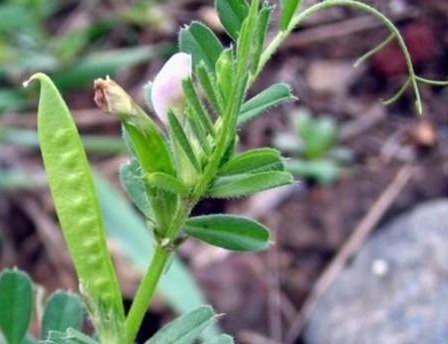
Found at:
(396, 289)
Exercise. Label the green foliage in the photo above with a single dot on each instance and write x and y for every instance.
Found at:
(230, 232)
(185, 329)
(63, 311)
(16, 303)
(199, 41)
(180, 138)
(289, 7)
(314, 148)
(232, 14)
(190, 157)
(246, 184)
(135, 240)
(254, 160)
(70, 336)
(132, 180)
(272, 96)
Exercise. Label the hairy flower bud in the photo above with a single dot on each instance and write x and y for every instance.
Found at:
(167, 90)
(112, 99)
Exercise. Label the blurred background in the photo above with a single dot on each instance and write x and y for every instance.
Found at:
(361, 239)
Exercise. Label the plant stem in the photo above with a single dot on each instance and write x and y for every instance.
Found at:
(298, 18)
(146, 291)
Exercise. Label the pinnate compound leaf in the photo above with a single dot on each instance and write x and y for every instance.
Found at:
(288, 8)
(132, 180)
(16, 302)
(246, 184)
(234, 233)
(63, 310)
(272, 96)
(185, 329)
(254, 160)
(203, 45)
(232, 14)
(222, 339)
(166, 182)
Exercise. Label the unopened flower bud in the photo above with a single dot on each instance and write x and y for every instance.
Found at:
(167, 90)
(112, 99)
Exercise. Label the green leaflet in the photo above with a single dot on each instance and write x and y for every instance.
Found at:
(272, 96)
(166, 182)
(63, 310)
(198, 111)
(185, 329)
(241, 185)
(209, 86)
(289, 7)
(260, 34)
(225, 68)
(80, 217)
(245, 47)
(254, 160)
(234, 233)
(203, 45)
(222, 339)
(70, 336)
(132, 180)
(16, 304)
(150, 146)
(232, 14)
(198, 130)
(179, 136)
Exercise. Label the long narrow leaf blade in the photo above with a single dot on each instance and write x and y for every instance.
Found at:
(179, 135)
(230, 232)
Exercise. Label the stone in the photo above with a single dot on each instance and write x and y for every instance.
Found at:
(396, 289)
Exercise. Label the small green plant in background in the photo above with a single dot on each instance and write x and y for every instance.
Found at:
(26, 46)
(314, 148)
(201, 99)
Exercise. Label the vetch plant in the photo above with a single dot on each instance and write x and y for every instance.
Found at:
(201, 98)
(314, 148)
